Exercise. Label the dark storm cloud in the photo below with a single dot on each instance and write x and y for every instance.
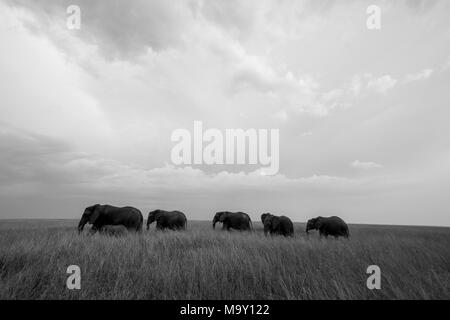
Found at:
(25, 156)
(32, 158)
(121, 29)
(421, 5)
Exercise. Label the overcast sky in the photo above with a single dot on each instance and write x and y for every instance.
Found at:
(86, 115)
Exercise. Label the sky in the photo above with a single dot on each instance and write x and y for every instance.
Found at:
(86, 116)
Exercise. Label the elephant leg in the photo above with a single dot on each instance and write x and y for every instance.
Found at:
(345, 233)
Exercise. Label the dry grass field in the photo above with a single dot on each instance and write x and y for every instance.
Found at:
(202, 263)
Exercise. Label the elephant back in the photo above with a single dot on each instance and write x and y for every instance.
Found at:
(335, 226)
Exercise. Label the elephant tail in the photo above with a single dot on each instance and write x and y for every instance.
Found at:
(250, 223)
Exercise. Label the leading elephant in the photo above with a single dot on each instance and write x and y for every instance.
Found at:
(101, 215)
(233, 220)
(172, 220)
(280, 225)
(333, 226)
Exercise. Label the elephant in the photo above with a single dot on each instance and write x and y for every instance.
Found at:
(114, 230)
(280, 225)
(333, 226)
(101, 215)
(172, 220)
(235, 220)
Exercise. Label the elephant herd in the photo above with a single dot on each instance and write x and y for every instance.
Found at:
(118, 221)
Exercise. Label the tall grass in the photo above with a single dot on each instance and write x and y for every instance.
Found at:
(202, 263)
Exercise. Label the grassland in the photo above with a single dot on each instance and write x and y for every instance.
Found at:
(205, 264)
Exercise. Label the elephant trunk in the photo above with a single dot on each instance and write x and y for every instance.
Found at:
(81, 226)
(151, 218)
(214, 223)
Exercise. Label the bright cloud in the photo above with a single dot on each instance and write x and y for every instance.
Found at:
(425, 74)
(382, 84)
(365, 165)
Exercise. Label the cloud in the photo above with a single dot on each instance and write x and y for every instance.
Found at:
(37, 161)
(42, 164)
(146, 31)
(121, 30)
(425, 74)
(150, 31)
(365, 165)
(281, 115)
(421, 6)
(381, 84)
(446, 65)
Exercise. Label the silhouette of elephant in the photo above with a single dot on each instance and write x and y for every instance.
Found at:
(280, 225)
(172, 220)
(101, 215)
(233, 220)
(333, 226)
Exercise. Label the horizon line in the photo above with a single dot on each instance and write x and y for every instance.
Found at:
(350, 223)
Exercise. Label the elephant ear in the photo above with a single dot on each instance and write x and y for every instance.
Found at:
(222, 217)
(268, 223)
(263, 217)
(318, 222)
(96, 211)
(275, 223)
(158, 215)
